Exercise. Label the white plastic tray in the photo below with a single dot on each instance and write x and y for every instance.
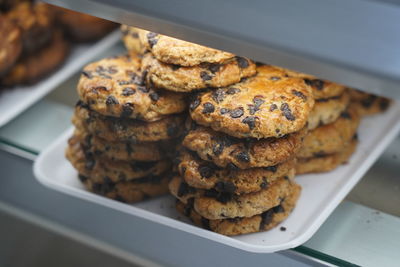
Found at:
(320, 196)
(16, 100)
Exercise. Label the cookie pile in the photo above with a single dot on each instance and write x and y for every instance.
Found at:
(125, 129)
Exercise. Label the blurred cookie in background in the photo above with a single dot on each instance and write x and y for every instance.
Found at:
(80, 27)
(36, 24)
(10, 44)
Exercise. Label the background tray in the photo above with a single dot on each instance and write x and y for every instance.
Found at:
(15, 100)
(320, 196)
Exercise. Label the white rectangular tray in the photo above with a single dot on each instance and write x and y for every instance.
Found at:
(15, 100)
(320, 196)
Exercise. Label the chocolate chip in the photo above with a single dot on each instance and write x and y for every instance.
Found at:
(194, 104)
(127, 110)
(143, 89)
(384, 104)
(205, 223)
(250, 121)
(218, 95)
(214, 67)
(82, 178)
(242, 62)
(222, 197)
(112, 70)
(205, 76)
(264, 184)
(275, 78)
(224, 111)
(243, 156)
(278, 209)
(283, 229)
(287, 112)
(128, 148)
(208, 108)
(90, 162)
(271, 168)
(318, 84)
(154, 96)
(87, 74)
(151, 38)
(111, 100)
(142, 165)
(98, 88)
(236, 113)
(319, 154)
(273, 107)
(185, 189)
(218, 148)
(232, 166)
(266, 218)
(172, 130)
(225, 186)
(175, 67)
(299, 94)
(345, 115)
(232, 90)
(258, 101)
(127, 91)
(367, 102)
(206, 171)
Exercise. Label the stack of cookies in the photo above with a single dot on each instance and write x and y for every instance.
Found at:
(332, 126)
(125, 130)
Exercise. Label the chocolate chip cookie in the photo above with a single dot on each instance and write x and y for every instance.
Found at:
(245, 225)
(125, 150)
(260, 107)
(368, 104)
(116, 87)
(36, 22)
(331, 138)
(32, 68)
(187, 79)
(322, 89)
(327, 110)
(325, 163)
(10, 44)
(82, 27)
(130, 38)
(99, 168)
(129, 191)
(216, 205)
(117, 129)
(206, 175)
(226, 151)
(174, 51)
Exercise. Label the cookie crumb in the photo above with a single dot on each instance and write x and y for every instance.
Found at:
(283, 229)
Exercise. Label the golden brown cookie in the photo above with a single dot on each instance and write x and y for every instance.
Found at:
(260, 107)
(116, 129)
(331, 138)
(10, 44)
(130, 38)
(322, 89)
(203, 174)
(82, 27)
(32, 68)
(174, 51)
(99, 168)
(129, 191)
(36, 23)
(213, 205)
(328, 110)
(226, 151)
(245, 225)
(325, 163)
(116, 87)
(187, 79)
(368, 104)
(126, 150)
